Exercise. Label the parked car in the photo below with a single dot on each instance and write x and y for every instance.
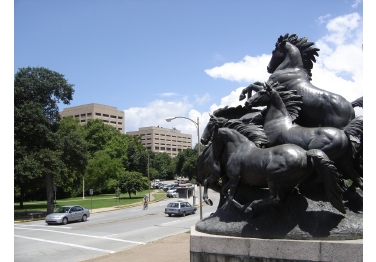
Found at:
(172, 193)
(66, 214)
(180, 208)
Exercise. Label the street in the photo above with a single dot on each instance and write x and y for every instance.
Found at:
(103, 233)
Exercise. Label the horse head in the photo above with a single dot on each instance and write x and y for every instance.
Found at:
(293, 52)
(208, 131)
(262, 97)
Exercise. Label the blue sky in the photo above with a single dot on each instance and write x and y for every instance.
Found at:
(155, 59)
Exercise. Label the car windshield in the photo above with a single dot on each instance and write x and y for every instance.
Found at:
(62, 210)
(173, 205)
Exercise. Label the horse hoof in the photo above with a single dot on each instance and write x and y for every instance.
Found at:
(248, 210)
(209, 202)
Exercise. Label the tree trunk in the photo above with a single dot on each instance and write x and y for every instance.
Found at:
(50, 193)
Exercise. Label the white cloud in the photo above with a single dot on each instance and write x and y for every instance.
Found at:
(249, 69)
(202, 99)
(323, 19)
(342, 29)
(168, 94)
(154, 113)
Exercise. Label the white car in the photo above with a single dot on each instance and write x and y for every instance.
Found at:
(66, 214)
(172, 193)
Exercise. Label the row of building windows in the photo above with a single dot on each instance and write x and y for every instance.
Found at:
(168, 148)
(105, 121)
(99, 114)
(182, 137)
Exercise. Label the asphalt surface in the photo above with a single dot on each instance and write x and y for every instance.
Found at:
(172, 248)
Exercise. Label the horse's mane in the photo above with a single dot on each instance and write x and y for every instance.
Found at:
(307, 52)
(254, 133)
(291, 100)
(233, 112)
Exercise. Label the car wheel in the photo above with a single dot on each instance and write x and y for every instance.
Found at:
(194, 212)
(49, 224)
(169, 215)
(84, 218)
(65, 221)
(183, 214)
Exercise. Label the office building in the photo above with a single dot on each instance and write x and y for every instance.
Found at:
(159, 139)
(109, 114)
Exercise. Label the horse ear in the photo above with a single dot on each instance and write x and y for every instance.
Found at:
(268, 86)
(282, 44)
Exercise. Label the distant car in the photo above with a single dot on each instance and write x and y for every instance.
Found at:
(172, 193)
(180, 208)
(66, 214)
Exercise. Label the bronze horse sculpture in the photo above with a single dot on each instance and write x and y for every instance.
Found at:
(290, 65)
(209, 172)
(279, 168)
(282, 108)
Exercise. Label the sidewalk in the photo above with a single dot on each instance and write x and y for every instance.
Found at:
(169, 249)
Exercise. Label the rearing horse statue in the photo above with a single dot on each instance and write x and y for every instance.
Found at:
(340, 145)
(290, 65)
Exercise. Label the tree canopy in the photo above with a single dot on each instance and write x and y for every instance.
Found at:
(42, 152)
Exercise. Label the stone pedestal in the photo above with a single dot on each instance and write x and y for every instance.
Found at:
(206, 248)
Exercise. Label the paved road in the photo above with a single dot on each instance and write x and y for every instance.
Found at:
(103, 233)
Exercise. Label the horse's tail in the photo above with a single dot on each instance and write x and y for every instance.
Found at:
(323, 165)
(354, 131)
(358, 102)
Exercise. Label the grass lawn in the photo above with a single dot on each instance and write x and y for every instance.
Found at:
(90, 202)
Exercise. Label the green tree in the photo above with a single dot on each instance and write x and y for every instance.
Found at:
(132, 182)
(41, 153)
(101, 170)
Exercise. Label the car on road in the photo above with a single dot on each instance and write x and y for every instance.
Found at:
(65, 214)
(180, 208)
(172, 193)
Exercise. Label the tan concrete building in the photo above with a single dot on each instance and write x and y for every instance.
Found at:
(109, 114)
(159, 139)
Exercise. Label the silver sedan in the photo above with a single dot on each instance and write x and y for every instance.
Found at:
(66, 214)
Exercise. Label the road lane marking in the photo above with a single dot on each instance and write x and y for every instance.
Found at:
(67, 244)
(170, 222)
(74, 234)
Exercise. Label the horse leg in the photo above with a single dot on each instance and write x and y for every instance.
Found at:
(272, 199)
(212, 178)
(232, 184)
(346, 167)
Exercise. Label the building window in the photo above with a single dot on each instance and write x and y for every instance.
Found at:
(157, 148)
(106, 121)
(76, 116)
(120, 117)
(113, 116)
(105, 115)
(98, 114)
(120, 128)
(88, 114)
(83, 120)
(83, 114)
(162, 148)
(149, 147)
(113, 122)
(120, 123)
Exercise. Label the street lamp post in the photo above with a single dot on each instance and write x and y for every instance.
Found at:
(197, 124)
(149, 174)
